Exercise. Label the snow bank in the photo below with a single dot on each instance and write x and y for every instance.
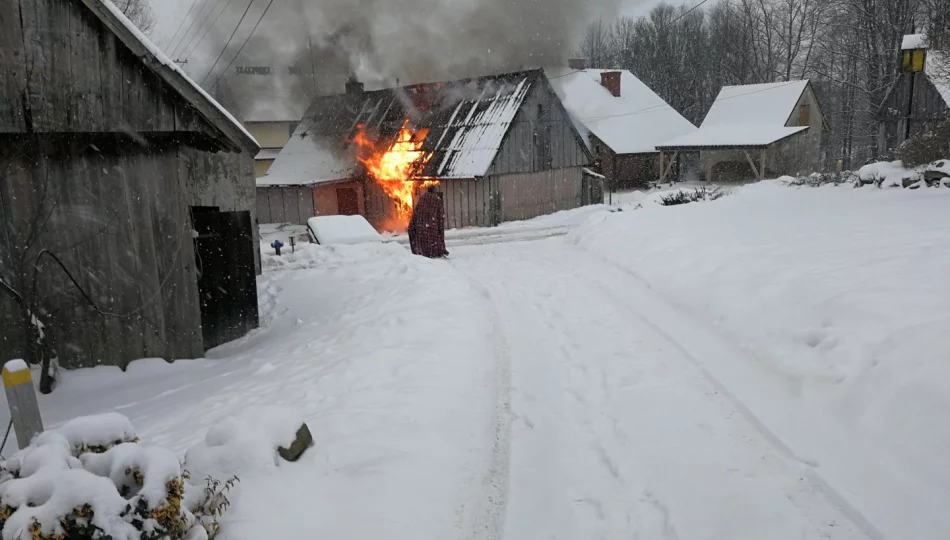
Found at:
(100, 431)
(334, 230)
(841, 295)
(332, 256)
(894, 174)
(390, 360)
(244, 443)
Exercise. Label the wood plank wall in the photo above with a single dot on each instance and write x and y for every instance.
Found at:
(119, 221)
(75, 75)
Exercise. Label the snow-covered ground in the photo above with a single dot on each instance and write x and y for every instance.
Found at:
(768, 365)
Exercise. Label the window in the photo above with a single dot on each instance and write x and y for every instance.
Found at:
(913, 60)
(804, 115)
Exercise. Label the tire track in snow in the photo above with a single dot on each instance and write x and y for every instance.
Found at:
(820, 484)
(487, 516)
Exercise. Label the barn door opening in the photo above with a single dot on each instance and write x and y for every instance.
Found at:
(227, 285)
(347, 202)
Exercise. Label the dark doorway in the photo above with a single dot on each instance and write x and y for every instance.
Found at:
(227, 285)
(347, 202)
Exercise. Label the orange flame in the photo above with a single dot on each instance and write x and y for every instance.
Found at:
(392, 168)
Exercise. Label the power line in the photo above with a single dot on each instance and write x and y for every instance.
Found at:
(687, 12)
(182, 23)
(204, 4)
(208, 29)
(225, 48)
(187, 42)
(248, 38)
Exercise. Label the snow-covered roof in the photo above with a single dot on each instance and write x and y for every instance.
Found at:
(266, 154)
(914, 41)
(310, 160)
(936, 68)
(747, 115)
(466, 121)
(633, 123)
(208, 107)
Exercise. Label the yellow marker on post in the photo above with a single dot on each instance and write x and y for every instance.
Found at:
(21, 397)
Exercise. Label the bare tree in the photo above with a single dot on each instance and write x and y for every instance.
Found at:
(139, 12)
(596, 45)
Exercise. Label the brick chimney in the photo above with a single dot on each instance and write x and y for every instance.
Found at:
(577, 63)
(611, 81)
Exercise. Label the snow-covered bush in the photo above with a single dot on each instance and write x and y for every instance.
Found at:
(926, 147)
(91, 479)
(883, 174)
(822, 179)
(685, 196)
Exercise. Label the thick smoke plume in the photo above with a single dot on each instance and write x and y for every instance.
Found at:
(381, 42)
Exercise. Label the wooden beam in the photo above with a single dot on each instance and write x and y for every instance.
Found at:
(676, 154)
(762, 164)
(755, 170)
(662, 171)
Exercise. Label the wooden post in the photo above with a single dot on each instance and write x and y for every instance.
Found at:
(21, 398)
(762, 165)
(662, 172)
(755, 170)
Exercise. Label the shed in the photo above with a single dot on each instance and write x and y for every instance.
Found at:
(126, 195)
(501, 148)
(919, 99)
(751, 131)
(622, 120)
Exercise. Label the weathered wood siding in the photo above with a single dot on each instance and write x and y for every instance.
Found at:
(913, 107)
(119, 220)
(120, 156)
(468, 203)
(75, 75)
(541, 137)
(285, 204)
(529, 195)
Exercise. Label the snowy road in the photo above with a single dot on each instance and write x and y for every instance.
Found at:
(709, 371)
(617, 433)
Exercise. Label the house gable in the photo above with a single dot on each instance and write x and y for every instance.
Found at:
(83, 70)
(542, 135)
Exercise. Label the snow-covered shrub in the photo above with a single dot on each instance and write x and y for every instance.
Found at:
(91, 479)
(887, 174)
(685, 196)
(822, 179)
(926, 147)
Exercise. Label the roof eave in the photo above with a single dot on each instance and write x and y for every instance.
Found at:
(234, 139)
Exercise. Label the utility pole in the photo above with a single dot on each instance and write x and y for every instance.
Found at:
(313, 67)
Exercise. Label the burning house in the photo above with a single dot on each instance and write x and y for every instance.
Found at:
(499, 148)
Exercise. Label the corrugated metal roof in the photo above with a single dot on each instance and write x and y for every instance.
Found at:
(470, 124)
(466, 120)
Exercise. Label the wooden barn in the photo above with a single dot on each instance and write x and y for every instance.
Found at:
(751, 132)
(501, 148)
(127, 203)
(623, 121)
(920, 98)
